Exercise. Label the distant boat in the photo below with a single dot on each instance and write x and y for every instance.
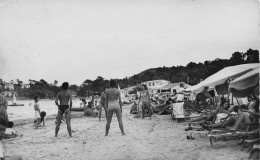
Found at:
(76, 109)
(14, 102)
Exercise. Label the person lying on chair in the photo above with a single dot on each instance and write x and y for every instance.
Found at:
(223, 108)
(230, 120)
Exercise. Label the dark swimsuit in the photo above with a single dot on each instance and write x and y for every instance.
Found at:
(63, 108)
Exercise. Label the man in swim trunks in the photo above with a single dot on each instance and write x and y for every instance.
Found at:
(64, 103)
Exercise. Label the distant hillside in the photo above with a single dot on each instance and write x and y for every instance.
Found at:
(192, 73)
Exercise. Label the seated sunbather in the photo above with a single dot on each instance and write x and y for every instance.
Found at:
(201, 98)
(95, 112)
(230, 120)
(9, 131)
(134, 108)
(247, 116)
(3, 125)
(88, 111)
(233, 117)
(224, 106)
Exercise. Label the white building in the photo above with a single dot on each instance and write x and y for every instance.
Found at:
(25, 86)
(154, 85)
(125, 91)
(9, 86)
(171, 87)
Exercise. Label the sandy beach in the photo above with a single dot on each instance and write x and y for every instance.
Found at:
(159, 138)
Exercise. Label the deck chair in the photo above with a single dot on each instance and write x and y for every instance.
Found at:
(208, 121)
(250, 143)
(256, 148)
(165, 110)
(189, 107)
(253, 135)
(204, 123)
(225, 133)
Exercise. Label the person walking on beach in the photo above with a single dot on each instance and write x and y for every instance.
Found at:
(113, 103)
(64, 103)
(102, 104)
(37, 111)
(146, 101)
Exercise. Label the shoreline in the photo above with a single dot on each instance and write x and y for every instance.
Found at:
(27, 98)
(26, 121)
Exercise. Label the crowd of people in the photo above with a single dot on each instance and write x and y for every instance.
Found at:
(209, 111)
(207, 107)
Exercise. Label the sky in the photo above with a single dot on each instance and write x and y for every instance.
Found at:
(75, 40)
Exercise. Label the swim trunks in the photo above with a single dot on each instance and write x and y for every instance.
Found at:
(63, 108)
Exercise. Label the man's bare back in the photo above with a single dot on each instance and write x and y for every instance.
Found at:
(64, 97)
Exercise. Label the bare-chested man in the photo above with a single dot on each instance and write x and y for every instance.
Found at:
(64, 103)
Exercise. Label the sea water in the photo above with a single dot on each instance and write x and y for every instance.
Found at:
(27, 111)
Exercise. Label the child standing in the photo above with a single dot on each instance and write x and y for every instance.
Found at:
(37, 111)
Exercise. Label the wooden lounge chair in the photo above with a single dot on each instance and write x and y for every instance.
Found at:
(256, 148)
(224, 132)
(250, 143)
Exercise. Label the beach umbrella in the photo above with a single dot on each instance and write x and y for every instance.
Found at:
(245, 84)
(224, 75)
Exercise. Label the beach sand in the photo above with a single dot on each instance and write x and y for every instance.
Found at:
(158, 138)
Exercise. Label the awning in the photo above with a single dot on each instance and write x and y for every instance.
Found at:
(223, 75)
(245, 84)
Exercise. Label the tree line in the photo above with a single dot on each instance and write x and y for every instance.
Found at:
(192, 74)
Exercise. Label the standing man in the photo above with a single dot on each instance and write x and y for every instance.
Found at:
(64, 103)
